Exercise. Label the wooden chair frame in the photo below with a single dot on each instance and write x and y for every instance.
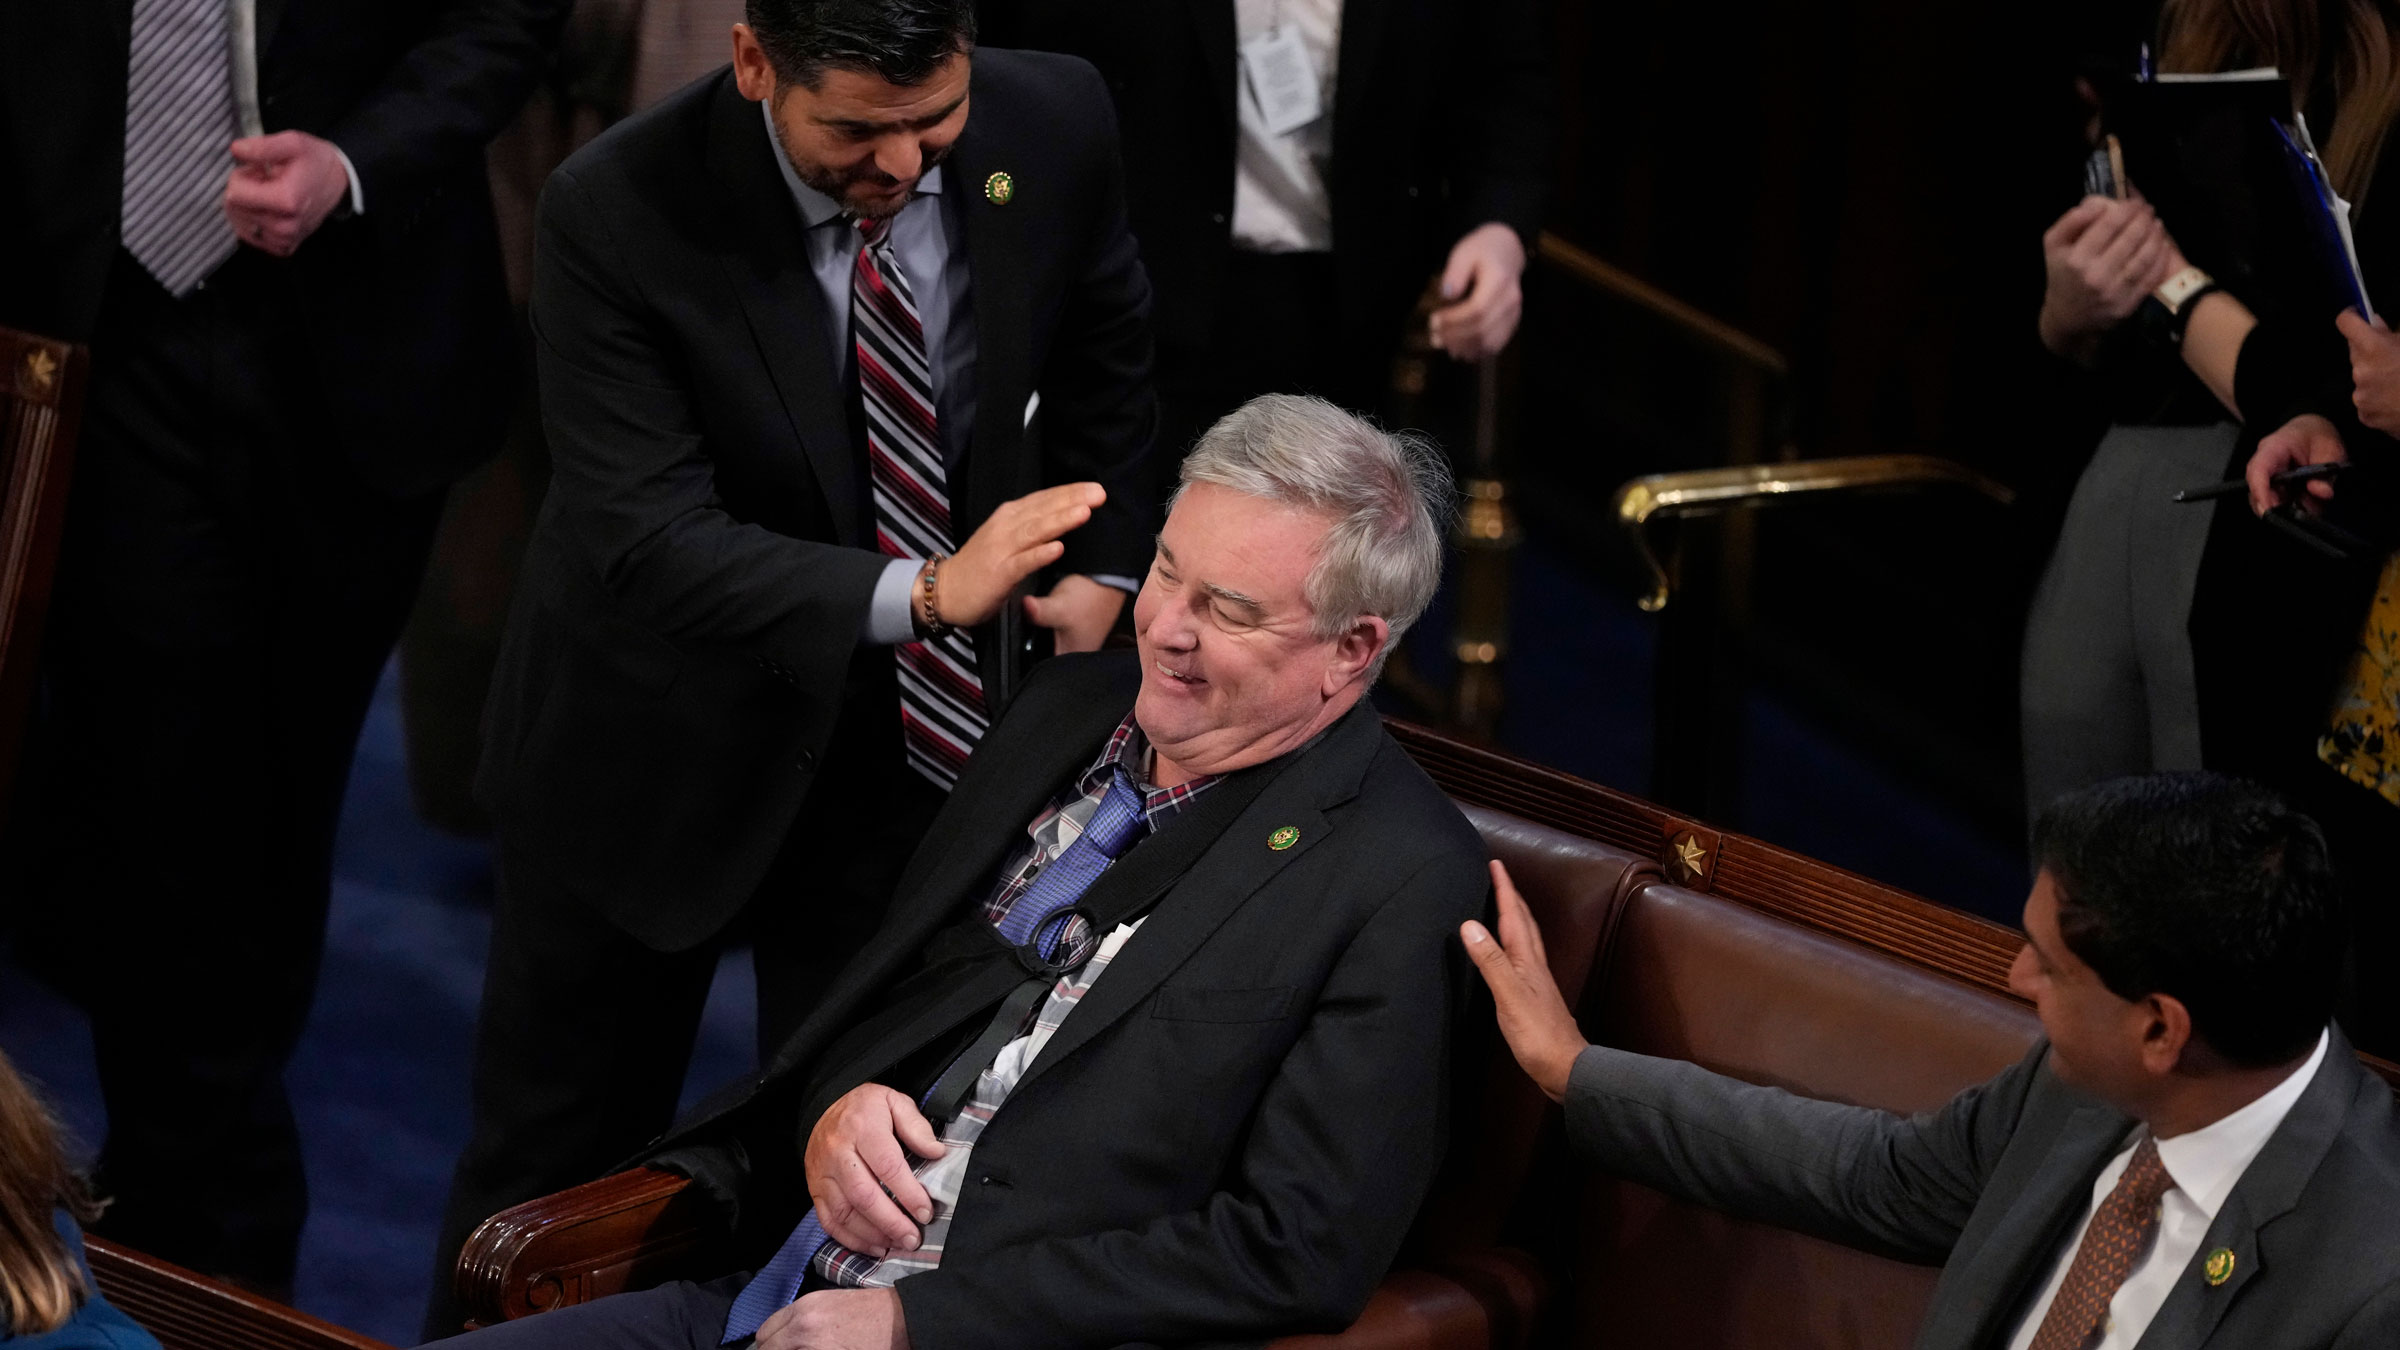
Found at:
(192, 1312)
(41, 412)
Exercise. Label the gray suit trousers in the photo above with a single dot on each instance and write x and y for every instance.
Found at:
(2106, 683)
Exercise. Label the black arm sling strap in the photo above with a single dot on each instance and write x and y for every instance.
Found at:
(1149, 868)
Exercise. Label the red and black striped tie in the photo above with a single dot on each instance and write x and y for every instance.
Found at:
(941, 695)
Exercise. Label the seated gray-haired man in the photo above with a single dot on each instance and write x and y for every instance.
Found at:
(1152, 1046)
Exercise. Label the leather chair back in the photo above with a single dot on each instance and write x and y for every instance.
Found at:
(1576, 888)
(1695, 977)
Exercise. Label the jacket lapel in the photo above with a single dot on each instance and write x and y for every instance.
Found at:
(2269, 1189)
(767, 262)
(1983, 1296)
(1233, 863)
(996, 259)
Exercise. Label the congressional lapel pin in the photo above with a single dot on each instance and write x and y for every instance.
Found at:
(1000, 189)
(2219, 1266)
(1284, 838)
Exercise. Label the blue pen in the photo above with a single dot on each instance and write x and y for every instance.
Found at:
(2142, 68)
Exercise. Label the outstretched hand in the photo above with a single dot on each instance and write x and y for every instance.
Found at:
(1541, 1031)
(1017, 540)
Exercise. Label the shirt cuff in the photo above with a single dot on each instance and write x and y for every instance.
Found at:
(358, 193)
(891, 619)
(1129, 585)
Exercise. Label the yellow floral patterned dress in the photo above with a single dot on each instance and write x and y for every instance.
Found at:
(2363, 741)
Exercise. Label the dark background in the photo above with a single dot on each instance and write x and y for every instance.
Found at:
(1863, 186)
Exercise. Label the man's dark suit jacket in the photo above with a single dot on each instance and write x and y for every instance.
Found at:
(1230, 1135)
(404, 313)
(698, 582)
(1441, 122)
(1991, 1186)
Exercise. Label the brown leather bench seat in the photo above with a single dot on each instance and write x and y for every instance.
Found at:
(1753, 961)
(1695, 977)
(1671, 937)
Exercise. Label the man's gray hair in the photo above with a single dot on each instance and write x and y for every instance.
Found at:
(1389, 494)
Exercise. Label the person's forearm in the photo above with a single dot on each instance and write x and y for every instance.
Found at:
(2212, 343)
(448, 95)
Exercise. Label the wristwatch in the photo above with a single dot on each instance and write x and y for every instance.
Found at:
(2176, 298)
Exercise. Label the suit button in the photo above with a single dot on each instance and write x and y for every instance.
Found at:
(1216, 218)
(806, 760)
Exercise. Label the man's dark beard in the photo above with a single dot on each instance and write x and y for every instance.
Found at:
(837, 184)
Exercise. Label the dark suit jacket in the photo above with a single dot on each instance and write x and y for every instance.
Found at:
(1230, 1135)
(698, 583)
(402, 316)
(1441, 122)
(1992, 1184)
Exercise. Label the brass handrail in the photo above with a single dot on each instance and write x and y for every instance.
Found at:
(1703, 491)
(1707, 328)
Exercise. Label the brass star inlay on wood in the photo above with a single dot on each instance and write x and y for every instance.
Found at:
(1687, 856)
(40, 369)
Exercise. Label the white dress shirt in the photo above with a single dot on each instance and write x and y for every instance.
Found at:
(2204, 1164)
(1279, 200)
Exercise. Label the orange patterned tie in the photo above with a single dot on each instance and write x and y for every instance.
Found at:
(2120, 1231)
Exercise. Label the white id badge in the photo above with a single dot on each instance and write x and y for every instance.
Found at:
(1283, 83)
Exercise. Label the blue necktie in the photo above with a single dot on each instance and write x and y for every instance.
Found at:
(1114, 827)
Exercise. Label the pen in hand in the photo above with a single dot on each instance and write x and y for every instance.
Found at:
(2234, 487)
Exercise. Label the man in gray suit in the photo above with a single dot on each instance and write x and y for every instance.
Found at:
(2192, 1156)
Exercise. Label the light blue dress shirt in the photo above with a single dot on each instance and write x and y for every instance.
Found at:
(938, 280)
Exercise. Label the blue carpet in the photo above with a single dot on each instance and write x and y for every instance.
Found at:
(380, 1079)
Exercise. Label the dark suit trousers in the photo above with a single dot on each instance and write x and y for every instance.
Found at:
(227, 596)
(585, 1033)
(679, 1315)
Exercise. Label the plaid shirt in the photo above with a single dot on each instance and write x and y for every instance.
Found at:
(1052, 832)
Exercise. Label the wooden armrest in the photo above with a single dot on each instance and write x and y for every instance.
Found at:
(192, 1312)
(1487, 1300)
(627, 1231)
